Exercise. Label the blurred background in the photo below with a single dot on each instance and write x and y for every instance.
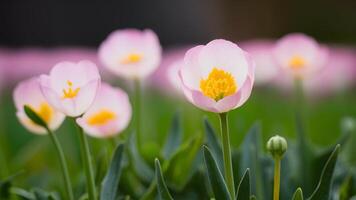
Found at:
(34, 35)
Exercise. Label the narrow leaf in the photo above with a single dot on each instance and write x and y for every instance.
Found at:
(244, 188)
(180, 168)
(174, 137)
(322, 190)
(162, 189)
(215, 177)
(298, 195)
(140, 167)
(34, 117)
(251, 155)
(345, 192)
(110, 183)
(213, 143)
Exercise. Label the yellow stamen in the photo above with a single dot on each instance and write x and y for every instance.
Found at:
(297, 62)
(70, 92)
(44, 111)
(101, 118)
(218, 85)
(132, 58)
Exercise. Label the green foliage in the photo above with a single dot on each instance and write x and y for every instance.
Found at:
(244, 188)
(298, 195)
(216, 179)
(34, 117)
(162, 189)
(110, 185)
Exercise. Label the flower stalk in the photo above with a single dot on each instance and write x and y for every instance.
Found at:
(277, 146)
(63, 163)
(88, 167)
(229, 177)
(137, 91)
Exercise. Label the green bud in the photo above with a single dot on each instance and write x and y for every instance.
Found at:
(348, 124)
(277, 146)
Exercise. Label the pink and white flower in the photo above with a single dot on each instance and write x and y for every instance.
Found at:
(109, 114)
(300, 54)
(217, 77)
(71, 87)
(131, 53)
(29, 93)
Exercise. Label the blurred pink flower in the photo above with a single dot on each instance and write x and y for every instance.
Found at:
(166, 77)
(337, 74)
(131, 53)
(19, 64)
(261, 52)
(71, 87)
(109, 114)
(217, 77)
(28, 93)
(299, 54)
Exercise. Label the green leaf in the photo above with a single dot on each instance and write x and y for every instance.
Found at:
(298, 195)
(5, 185)
(244, 188)
(180, 168)
(101, 167)
(251, 155)
(110, 183)
(43, 195)
(306, 155)
(345, 192)
(216, 179)
(174, 137)
(213, 143)
(140, 167)
(322, 190)
(34, 117)
(253, 197)
(162, 189)
(23, 194)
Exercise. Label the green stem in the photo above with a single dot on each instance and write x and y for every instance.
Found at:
(277, 174)
(298, 95)
(229, 177)
(87, 162)
(138, 110)
(64, 166)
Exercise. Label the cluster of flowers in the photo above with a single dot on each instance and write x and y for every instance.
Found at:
(217, 77)
(295, 54)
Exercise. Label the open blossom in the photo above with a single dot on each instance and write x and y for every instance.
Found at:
(71, 87)
(109, 114)
(261, 52)
(28, 93)
(131, 53)
(300, 54)
(217, 77)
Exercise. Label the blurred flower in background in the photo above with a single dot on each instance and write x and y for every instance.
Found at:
(166, 77)
(109, 114)
(131, 53)
(337, 73)
(266, 68)
(28, 92)
(19, 64)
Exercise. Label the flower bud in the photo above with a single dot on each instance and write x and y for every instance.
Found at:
(277, 146)
(348, 124)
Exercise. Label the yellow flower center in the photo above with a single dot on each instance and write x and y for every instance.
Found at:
(297, 62)
(44, 111)
(70, 92)
(132, 58)
(218, 85)
(101, 118)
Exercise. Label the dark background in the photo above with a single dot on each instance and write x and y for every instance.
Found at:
(87, 23)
